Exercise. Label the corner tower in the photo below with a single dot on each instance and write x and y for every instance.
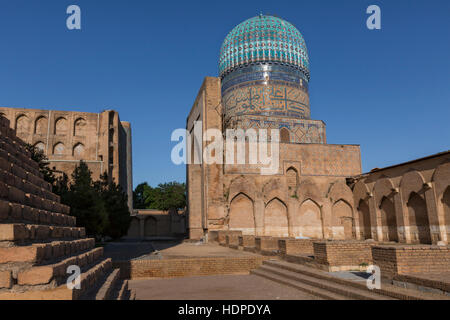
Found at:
(264, 72)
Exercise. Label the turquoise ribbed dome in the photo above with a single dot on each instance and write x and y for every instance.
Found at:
(263, 39)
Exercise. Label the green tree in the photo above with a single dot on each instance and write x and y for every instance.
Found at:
(39, 156)
(139, 195)
(165, 196)
(116, 206)
(85, 202)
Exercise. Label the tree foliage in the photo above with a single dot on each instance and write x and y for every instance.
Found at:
(165, 196)
(116, 205)
(101, 206)
(39, 156)
(85, 203)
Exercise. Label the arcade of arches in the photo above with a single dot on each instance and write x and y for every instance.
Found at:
(393, 204)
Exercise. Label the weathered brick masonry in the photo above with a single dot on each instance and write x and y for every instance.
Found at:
(342, 255)
(397, 260)
(168, 268)
(296, 246)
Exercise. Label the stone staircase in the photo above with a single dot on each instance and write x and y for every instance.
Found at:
(39, 240)
(326, 286)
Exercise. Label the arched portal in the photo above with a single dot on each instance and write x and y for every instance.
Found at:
(40, 126)
(364, 220)
(418, 219)
(22, 125)
(342, 221)
(275, 219)
(59, 148)
(388, 220)
(79, 127)
(78, 150)
(284, 135)
(308, 222)
(241, 215)
(60, 126)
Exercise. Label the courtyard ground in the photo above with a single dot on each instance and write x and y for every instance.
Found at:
(221, 287)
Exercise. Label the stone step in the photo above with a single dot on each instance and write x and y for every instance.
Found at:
(107, 289)
(343, 290)
(88, 279)
(16, 195)
(57, 272)
(26, 181)
(16, 154)
(124, 292)
(30, 232)
(324, 294)
(387, 290)
(37, 253)
(18, 213)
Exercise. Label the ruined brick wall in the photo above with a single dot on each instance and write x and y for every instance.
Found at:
(395, 260)
(188, 267)
(342, 253)
(296, 246)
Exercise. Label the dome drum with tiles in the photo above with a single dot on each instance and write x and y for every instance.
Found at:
(264, 71)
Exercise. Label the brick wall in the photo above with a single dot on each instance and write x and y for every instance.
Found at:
(169, 268)
(296, 246)
(394, 260)
(233, 240)
(342, 253)
(247, 241)
(267, 245)
(222, 235)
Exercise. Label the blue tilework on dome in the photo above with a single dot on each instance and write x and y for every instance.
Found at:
(261, 39)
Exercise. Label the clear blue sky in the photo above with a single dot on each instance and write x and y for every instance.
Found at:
(387, 90)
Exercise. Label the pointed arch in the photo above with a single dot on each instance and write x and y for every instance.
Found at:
(22, 125)
(276, 218)
(342, 220)
(241, 214)
(60, 125)
(59, 148)
(388, 219)
(40, 125)
(365, 225)
(419, 224)
(78, 150)
(285, 136)
(308, 220)
(79, 127)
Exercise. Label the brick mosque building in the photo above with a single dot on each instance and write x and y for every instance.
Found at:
(101, 140)
(318, 190)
